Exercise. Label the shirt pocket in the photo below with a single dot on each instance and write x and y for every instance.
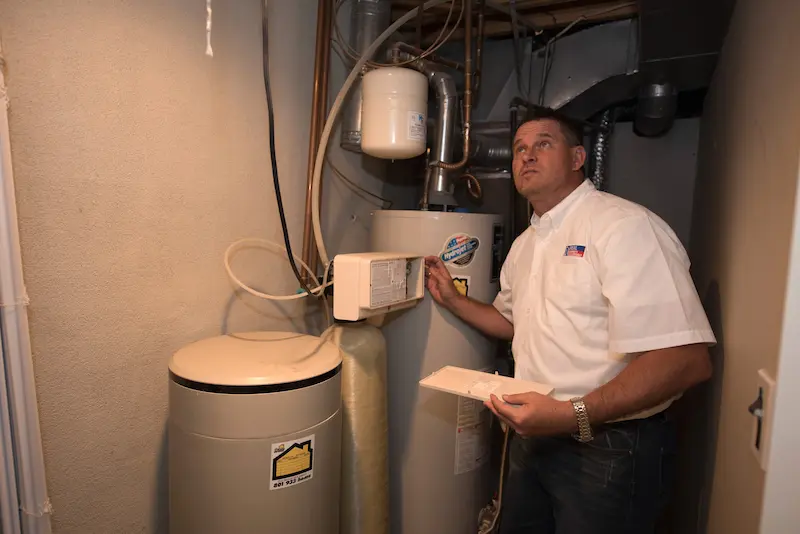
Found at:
(568, 293)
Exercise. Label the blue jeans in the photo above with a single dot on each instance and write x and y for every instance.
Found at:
(618, 483)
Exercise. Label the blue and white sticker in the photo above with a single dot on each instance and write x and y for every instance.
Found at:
(417, 126)
(459, 250)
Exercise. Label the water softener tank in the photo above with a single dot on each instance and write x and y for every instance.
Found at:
(255, 435)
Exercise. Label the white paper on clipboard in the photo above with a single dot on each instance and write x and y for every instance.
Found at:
(479, 385)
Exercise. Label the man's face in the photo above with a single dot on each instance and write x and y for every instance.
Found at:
(543, 160)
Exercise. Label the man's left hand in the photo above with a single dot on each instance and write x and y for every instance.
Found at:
(532, 414)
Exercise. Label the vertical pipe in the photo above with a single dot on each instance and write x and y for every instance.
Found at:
(444, 186)
(319, 108)
(34, 504)
(369, 18)
(479, 49)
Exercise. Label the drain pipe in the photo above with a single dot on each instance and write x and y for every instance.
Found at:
(600, 150)
(34, 503)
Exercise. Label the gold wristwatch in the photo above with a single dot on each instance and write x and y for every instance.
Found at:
(584, 434)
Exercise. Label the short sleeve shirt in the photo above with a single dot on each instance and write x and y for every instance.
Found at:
(592, 283)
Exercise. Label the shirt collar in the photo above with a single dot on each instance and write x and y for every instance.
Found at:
(553, 218)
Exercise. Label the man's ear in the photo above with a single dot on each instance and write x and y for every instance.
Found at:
(578, 157)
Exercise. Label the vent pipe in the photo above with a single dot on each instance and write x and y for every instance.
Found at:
(368, 19)
(438, 188)
(655, 109)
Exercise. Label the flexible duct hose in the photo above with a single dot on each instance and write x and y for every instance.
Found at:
(337, 105)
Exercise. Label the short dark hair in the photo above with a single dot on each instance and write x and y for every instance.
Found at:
(571, 129)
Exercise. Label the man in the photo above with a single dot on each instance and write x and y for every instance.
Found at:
(598, 302)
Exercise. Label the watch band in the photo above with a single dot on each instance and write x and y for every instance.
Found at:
(584, 433)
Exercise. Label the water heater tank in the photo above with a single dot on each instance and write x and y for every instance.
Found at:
(255, 435)
(394, 113)
(438, 443)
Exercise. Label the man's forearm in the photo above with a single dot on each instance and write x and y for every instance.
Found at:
(481, 316)
(649, 380)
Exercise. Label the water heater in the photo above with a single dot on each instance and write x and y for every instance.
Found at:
(394, 113)
(438, 443)
(255, 430)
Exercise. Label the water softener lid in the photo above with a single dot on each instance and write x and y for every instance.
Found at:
(256, 359)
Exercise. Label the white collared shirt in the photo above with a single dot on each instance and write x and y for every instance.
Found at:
(591, 283)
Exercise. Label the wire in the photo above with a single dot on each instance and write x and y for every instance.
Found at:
(273, 151)
(344, 178)
(243, 243)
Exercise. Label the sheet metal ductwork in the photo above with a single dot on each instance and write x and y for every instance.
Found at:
(672, 47)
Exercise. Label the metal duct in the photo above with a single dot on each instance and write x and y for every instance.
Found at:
(368, 19)
(600, 150)
(655, 109)
(491, 151)
(447, 103)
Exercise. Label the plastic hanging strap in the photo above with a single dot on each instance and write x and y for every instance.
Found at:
(209, 50)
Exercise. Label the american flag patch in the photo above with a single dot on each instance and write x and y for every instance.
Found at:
(575, 251)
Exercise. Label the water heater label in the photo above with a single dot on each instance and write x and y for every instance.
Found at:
(459, 250)
(388, 282)
(472, 436)
(417, 129)
(292, 462)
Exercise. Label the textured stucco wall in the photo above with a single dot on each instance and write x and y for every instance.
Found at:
(138, 160)
(744, 208)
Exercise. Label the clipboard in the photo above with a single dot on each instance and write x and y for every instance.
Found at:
(479, 385)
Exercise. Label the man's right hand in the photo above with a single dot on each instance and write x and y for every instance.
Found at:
(484, 317)
(439, 282)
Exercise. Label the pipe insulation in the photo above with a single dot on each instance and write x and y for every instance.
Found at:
(365, 451)
(337, 105)
(600, 150)
(34, 504)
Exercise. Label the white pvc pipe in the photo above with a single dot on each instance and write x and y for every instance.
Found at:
(9, 503)
(326, 132)
(32, 485)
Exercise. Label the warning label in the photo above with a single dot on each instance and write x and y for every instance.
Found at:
(388, 282)
(417, 129)
(292, 462)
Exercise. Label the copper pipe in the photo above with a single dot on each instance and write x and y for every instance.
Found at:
(319, 109)
(479, 48)
(473, 186)
(467, 90)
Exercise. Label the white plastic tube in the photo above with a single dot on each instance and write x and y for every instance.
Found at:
(32, 485)
(326, 132)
